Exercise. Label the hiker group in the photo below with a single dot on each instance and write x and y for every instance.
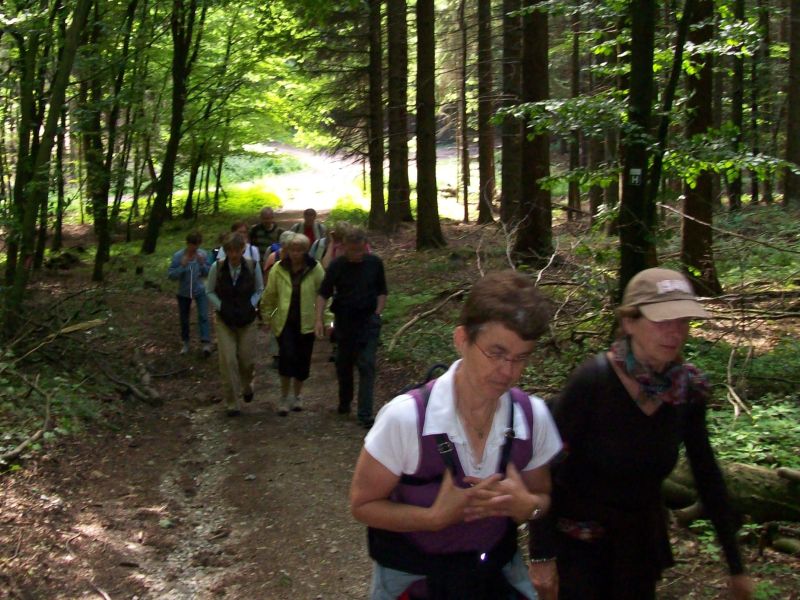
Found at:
(449, 469)
(299, 285)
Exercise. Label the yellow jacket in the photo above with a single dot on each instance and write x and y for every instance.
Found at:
(278, 295)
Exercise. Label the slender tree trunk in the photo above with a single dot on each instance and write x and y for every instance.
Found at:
(512, 128)
(574, 191)
(717, 102)
(377, 208)
(535, 221)
(637, 214)
(791, 182)
(697, 239)
(399, 205)
(765, 85)
(57, 240)
(429, 231)
(463, 126)
(737, 114)
(32, 191)
(194, 169)
(485, 111)
(182, 23)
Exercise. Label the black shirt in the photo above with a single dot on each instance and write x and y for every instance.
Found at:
(355, 286)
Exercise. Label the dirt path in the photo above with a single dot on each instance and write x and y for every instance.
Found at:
(183, 502)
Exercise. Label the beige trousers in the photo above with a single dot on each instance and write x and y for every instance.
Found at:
(237, 350)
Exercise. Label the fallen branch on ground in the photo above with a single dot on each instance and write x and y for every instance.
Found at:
(12, 454)
(421, 316)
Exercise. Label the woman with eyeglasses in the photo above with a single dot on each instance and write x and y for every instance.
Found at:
(450, 469)
(623, 416)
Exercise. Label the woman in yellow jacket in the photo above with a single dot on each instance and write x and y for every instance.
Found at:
(288, 306)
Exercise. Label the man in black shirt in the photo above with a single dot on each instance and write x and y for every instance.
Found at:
(357, 283)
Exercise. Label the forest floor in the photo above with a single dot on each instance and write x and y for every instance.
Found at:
(181, 502)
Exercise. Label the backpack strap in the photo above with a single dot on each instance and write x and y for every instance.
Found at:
(444, 446)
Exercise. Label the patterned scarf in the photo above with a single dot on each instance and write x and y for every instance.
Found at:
(678, 383)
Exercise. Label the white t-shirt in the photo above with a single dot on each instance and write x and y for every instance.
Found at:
(394, 440)
(250, 252)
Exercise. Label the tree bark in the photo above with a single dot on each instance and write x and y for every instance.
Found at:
(791, 181)
(32, 188)
(463, 125)
(512, 128)
(534, 241)
(377, 208)
(429, 231)
(763, 494)
(574, 189)
(182, 22)
(399, 203)
(697, 237)
(485, 111)
(737, 114)
(637, 213)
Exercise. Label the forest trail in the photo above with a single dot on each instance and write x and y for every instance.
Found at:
(185, 503)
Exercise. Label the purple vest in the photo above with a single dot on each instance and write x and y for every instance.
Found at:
(476, 536)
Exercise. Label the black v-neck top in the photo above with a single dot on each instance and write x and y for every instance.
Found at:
(616, 458)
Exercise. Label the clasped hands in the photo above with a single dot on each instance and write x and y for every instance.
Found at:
(493, 496)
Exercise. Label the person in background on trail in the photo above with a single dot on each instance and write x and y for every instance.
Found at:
(309, 227)
(623, 416)
(235, 285)
(266, 232)
(189, 266)
(450, 469)
(357, 284)
(288, 304)
(251, 252)
(277, 252)
(333, 246)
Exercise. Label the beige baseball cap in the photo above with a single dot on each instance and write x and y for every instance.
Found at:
(663, 294)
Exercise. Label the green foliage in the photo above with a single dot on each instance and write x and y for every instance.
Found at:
(347, 209)
(770, 437)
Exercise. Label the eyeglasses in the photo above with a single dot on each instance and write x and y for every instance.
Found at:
(497, 358)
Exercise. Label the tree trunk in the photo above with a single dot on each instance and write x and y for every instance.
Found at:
(463, 125)
(399, 203)
(512, 128)
(697, 239)
(377, 208)
(534, 240)
(574, 190)
(485, 111)
(637, 214)
(791, 182)
(737, 114)
(32, 189)
(429, 231)
(57, 241)
(182, 21)
(762, 494)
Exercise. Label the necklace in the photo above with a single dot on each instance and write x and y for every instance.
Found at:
(480, 430)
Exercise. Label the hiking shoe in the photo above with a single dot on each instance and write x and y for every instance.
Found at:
(284, 406)
(367, 423)
(206, 349)
(297, 404)
(343, 409)
(248, 396)
(233, 412)
(185, 348)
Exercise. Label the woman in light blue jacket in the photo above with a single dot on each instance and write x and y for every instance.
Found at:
(188, 266)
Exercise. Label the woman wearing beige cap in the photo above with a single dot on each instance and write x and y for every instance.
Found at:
(623, 416)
